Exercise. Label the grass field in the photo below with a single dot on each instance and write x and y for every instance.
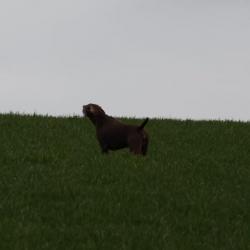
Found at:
(57, 191)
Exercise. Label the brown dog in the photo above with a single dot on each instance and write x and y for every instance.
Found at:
(113, 135)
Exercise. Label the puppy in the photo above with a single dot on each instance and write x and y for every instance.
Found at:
(113, 135)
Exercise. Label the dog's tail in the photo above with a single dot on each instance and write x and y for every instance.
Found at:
(143, 124)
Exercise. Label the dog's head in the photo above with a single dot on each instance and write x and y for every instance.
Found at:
(93, 111)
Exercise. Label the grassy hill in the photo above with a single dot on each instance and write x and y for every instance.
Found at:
(57, 191)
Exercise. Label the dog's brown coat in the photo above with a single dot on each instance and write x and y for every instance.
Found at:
(113, 135)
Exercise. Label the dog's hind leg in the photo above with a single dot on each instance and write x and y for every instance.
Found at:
(145, 145)
(135, 145)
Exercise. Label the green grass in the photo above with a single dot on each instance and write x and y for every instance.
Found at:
(57, 191)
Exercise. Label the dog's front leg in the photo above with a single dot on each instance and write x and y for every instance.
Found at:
(105, 151)
(104, 148)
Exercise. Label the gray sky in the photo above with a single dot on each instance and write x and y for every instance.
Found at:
(156, 58)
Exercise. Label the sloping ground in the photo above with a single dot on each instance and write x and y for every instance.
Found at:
(57, 191)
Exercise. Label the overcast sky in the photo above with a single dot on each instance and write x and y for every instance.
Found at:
(156, 58)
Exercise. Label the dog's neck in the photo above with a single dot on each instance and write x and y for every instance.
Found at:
(98, 120)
